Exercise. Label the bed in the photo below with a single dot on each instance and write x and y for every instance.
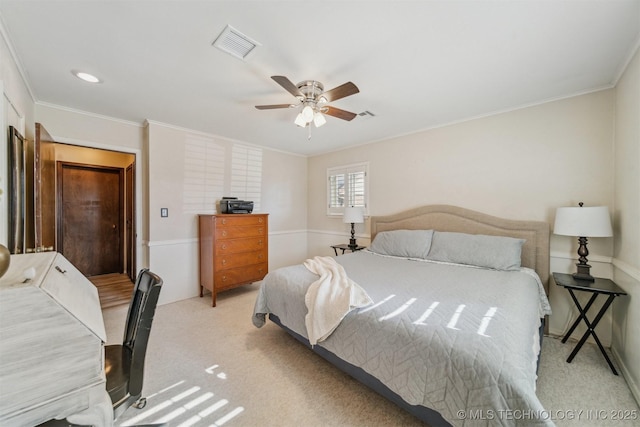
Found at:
(454, 322)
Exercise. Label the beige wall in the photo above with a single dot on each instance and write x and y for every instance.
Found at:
(521, 164)
(173, 244)
(90, 129)
(626, 326)
(17, 110)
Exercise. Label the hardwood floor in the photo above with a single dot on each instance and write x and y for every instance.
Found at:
(114, 289)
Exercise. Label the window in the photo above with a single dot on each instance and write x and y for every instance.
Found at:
(347, 186)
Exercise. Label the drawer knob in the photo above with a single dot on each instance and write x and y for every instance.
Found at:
(260, 220)
(260, 242)
(224, 261)
(224, 278)
(260, 230)
(224, 233)
(224, 246)
(260, 256)
(224, 221)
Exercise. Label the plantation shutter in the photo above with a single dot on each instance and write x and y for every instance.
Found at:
(346, 186)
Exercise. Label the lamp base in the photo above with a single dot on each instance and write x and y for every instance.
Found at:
(352, 244)
(583, 273)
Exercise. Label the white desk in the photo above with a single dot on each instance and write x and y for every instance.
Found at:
(51, 344)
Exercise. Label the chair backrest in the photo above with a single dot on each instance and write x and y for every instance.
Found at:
(136, 334)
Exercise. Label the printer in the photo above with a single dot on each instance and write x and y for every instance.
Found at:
(231, 205)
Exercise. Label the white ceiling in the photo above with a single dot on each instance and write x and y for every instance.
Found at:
(418, 64)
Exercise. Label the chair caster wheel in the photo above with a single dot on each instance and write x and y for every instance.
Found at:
(140, 403)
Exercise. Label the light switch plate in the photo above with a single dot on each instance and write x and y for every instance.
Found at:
(164, 212)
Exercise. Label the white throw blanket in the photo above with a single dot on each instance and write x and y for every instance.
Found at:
(330, 298)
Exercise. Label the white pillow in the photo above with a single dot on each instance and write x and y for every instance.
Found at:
(403, 243)
(497, 252)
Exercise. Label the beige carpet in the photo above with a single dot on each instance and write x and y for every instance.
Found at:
(211, 367)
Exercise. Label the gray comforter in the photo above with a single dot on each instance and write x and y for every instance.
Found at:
(461, 340)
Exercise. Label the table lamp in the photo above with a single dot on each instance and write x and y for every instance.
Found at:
(353, 215)
(583, 222)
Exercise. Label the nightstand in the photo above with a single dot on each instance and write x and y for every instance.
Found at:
(597, 287)
(345, 247)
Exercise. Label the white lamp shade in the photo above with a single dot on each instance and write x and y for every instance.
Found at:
(300, 121)
(353, 214)
(319, 120)
(593, 221)
(307, 114)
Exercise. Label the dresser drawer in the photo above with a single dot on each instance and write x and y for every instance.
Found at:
(231, 246)
(235, 276)
(234, 232)
(243, 219)
(237, 260)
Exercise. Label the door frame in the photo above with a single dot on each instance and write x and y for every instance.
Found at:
(130, 215)
(140, 255)
(60, 165)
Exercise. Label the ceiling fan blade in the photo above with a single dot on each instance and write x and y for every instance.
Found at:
(289, 86)
(341, 91)
(271, 107)
(341, 114)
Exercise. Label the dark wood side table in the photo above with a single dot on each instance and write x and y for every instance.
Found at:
(345, 247)
(597, 287)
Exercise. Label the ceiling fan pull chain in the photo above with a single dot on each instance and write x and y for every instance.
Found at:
(309, 126)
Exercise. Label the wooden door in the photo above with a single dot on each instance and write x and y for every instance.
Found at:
(90, 217)
(44, 190)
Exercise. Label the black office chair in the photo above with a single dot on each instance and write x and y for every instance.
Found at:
(124, 364)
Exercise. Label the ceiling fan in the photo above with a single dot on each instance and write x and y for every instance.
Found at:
(314, 99)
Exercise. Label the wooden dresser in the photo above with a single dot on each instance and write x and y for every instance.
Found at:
(234, 251)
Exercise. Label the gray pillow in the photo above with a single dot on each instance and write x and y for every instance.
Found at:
(403, 243)
(500, 253)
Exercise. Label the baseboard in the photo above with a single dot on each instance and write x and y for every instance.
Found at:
(634, 387)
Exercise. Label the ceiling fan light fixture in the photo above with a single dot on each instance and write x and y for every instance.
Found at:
(318, 119)
(313, 99)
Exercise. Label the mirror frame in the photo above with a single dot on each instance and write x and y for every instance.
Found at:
(17, 188)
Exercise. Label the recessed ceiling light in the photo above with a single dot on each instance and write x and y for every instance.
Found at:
(86, 76)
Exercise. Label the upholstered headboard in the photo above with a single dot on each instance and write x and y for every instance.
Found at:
(535, 251)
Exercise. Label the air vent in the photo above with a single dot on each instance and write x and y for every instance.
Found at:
(366, 114)
(235, 43)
